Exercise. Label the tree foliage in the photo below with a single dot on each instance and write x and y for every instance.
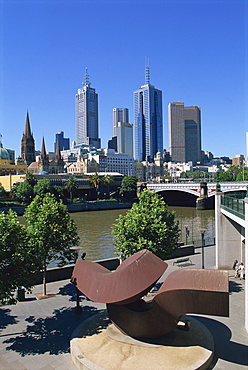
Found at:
(23, 191)
(71, 185)
(129, 187)
(51, 231)
(18, 258)
(2, 190)
(148, 225)
(43, 187)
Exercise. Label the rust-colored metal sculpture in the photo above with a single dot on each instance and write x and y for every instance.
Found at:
(183, 291)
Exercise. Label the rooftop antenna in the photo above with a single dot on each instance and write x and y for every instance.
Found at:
(86, 78)
(147, 71)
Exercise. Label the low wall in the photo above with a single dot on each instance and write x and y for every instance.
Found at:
(184, 250)
(97, 206)
(65, 272)
(77, 207)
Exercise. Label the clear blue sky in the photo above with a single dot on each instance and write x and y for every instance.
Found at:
(197, 51)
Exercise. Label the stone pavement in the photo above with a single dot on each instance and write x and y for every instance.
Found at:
(35, 334)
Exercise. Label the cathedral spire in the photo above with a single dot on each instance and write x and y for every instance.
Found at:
(27, 143)
(57, 153)
(43, 148)
(27, 131)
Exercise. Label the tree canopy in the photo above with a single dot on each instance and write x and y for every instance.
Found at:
(51, 230)
(18, 258)
(148, 225)
(71, 185)
(129, 187)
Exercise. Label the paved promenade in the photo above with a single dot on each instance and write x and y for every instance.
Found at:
(35, 334)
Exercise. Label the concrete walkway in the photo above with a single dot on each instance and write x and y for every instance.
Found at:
(35, 334)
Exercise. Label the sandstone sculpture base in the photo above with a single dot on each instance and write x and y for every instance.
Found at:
(97, 344)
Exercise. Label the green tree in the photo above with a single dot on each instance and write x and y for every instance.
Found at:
(30, 178)
(23, 191)
(43, 187)
(18, 258)
(148, 225)
(71, 184)
(96, 181)
(107, 181)
(51, 231)
(2, 190)
(129, 187)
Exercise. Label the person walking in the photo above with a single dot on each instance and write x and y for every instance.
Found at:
(241, 270)
(235, 268)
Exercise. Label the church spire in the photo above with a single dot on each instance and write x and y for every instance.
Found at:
(43, 148)
(27, 143)
(27, 131)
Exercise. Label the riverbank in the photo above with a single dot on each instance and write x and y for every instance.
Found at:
(77, 207)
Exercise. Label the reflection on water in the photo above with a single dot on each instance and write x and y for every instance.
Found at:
(95, 229)
(95, 232)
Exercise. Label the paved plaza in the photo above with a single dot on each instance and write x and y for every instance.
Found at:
(35, 334)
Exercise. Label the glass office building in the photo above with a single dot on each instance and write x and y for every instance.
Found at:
(148, 122)
(87, 115)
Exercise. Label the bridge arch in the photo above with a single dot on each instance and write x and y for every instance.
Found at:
(178, 198)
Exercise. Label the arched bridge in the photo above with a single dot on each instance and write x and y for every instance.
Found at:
(186, 193)
(194, 187)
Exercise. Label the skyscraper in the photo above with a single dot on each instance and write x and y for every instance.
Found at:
(119, 115)
(87, 115)
(64, 143)
(184, 133)
(124, 133)
(148, 121)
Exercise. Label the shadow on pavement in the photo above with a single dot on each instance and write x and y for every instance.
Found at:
(6, 319)
(70, 291)
(51, 334)
(225, 349)
(235, 287)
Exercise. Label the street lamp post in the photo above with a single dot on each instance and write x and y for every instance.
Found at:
(78, 308)
(203, 245)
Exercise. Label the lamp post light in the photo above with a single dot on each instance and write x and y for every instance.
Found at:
(202, 231)
(78, 308)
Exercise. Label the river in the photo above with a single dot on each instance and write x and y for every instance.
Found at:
(94, 229)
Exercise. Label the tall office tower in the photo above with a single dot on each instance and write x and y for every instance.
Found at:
(148, 121)
(64, 143)
(184, 133)
(124, 133)
(119, 115)
(87, 115)
(27, 144)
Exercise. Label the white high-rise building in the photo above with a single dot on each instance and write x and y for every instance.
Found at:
(87, 115)
(119, 115)
(124, 133)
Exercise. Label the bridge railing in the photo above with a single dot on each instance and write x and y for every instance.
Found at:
(233, 205)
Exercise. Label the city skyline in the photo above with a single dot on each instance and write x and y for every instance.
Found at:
(197, 51)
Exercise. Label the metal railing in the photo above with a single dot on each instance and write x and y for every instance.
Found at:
(233, 205)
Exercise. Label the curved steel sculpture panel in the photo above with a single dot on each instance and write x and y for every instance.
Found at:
(183, 291)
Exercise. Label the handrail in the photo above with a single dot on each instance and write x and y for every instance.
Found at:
(233, 205)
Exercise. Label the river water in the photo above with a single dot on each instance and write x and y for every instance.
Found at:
(94, 229)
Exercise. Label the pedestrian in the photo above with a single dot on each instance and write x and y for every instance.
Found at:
(242, 270)
(236, 267)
